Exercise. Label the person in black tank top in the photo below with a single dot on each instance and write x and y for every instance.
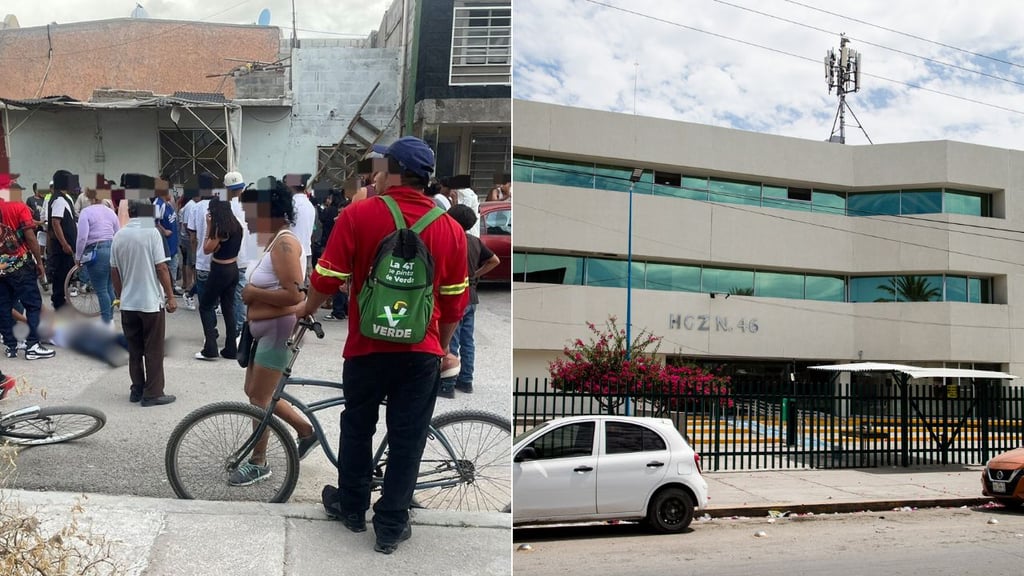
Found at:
(223, 240)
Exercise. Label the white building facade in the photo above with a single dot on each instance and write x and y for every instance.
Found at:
(765, 253)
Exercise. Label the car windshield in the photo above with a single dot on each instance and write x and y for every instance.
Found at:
(520, 437)
(499, 222)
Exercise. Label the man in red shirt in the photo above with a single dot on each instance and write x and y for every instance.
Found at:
(20, 265)
(407, 375)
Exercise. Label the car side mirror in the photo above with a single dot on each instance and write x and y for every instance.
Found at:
(528, 453)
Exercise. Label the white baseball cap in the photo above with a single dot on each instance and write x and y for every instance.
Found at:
(234, 181)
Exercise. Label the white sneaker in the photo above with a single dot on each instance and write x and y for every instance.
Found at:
(73, 292)
(190, 303)
(22, 345)
(37, 352)
(199, 356)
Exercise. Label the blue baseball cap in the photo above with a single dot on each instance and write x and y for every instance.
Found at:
(411, 153)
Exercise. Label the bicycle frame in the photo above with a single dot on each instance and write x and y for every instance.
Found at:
(309, 410)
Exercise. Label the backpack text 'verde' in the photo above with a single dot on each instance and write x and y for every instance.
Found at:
(397, 300)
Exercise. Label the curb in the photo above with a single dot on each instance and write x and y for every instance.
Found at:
(301, 511)
(844, 507)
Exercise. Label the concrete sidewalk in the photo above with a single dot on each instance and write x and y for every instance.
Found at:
(165, 537)
(755, 493)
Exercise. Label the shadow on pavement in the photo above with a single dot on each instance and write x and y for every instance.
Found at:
(584, 532)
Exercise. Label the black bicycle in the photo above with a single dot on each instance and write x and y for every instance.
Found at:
(465, 465)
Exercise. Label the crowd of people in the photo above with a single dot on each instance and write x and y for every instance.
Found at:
(142, 254)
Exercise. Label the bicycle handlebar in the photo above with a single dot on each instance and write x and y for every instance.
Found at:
(312, 323)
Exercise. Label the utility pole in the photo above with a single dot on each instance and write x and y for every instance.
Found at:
(843, 74)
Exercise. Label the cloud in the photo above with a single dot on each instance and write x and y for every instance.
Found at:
(720, 62)
(314, 18)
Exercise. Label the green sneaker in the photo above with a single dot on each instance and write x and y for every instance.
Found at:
(248, 474)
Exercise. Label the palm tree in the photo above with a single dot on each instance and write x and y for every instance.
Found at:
(909, 289)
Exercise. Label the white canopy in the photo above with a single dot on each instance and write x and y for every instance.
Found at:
(915, 371)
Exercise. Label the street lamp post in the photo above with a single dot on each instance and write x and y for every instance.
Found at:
(634, 177)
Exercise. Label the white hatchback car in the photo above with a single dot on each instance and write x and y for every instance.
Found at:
(585, 468)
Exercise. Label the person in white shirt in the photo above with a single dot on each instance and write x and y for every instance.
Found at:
(305, 219)
(197, 231)
(235, 185)
(188, 252)
(467, 197)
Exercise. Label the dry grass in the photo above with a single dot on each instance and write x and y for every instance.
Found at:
(32, 547)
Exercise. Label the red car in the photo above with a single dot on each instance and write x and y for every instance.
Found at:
(496, 234)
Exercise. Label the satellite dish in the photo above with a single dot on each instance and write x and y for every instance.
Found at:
(10, 22)
(139, 12)
(264, 19)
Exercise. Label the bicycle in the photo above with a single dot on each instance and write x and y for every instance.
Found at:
(35, 426)
(465, 465)
(78, 292)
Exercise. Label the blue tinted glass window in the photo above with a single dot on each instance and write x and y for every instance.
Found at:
(873, 204)
(921, 202)
(979, 290)
(695, 183)
(973, 204)
(827, 288)
(778, 197)
(661, 190)
(563, 173)
(779, 285)
(612, 273)
(956, 289)
(522, 170)
(728, 281)
(550, 269)
(735, 192)
(828, 202)
(614, 178)
(910, 288)
(518, 266)
(673, 277)
(872, 289)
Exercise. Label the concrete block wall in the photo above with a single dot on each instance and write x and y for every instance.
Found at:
(262, 84)
(331, 82)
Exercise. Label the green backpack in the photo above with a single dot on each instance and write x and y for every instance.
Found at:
(397, 300)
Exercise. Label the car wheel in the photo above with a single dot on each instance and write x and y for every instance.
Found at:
(670, 510)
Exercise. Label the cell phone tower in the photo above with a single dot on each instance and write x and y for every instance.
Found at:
(843, 74)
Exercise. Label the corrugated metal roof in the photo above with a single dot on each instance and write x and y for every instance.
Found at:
(212, 97)
(37, 102)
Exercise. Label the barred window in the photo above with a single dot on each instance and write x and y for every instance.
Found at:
(481, 43)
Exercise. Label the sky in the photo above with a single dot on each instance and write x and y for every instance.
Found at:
(719, 62)
(314, 18)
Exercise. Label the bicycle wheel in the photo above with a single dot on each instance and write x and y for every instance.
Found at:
(476, 475)
(203, 446)
(52, 425)
(80, 294)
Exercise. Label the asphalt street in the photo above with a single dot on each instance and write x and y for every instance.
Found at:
(127, 455)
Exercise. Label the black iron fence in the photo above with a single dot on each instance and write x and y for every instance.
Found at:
(815, 425)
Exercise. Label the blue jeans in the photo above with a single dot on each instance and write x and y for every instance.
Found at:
(340, 305)
(239, 306)
(99, 278)
(200, 283)
(409, 381)
(20, 285)
(463, 346)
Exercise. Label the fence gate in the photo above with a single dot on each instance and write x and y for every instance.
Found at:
(816, 425)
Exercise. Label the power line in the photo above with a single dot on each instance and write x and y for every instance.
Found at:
(908, 35)
(869, 43)
(801, 57)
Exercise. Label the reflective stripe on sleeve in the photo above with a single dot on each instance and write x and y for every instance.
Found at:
(323, 271)
(455, 289)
